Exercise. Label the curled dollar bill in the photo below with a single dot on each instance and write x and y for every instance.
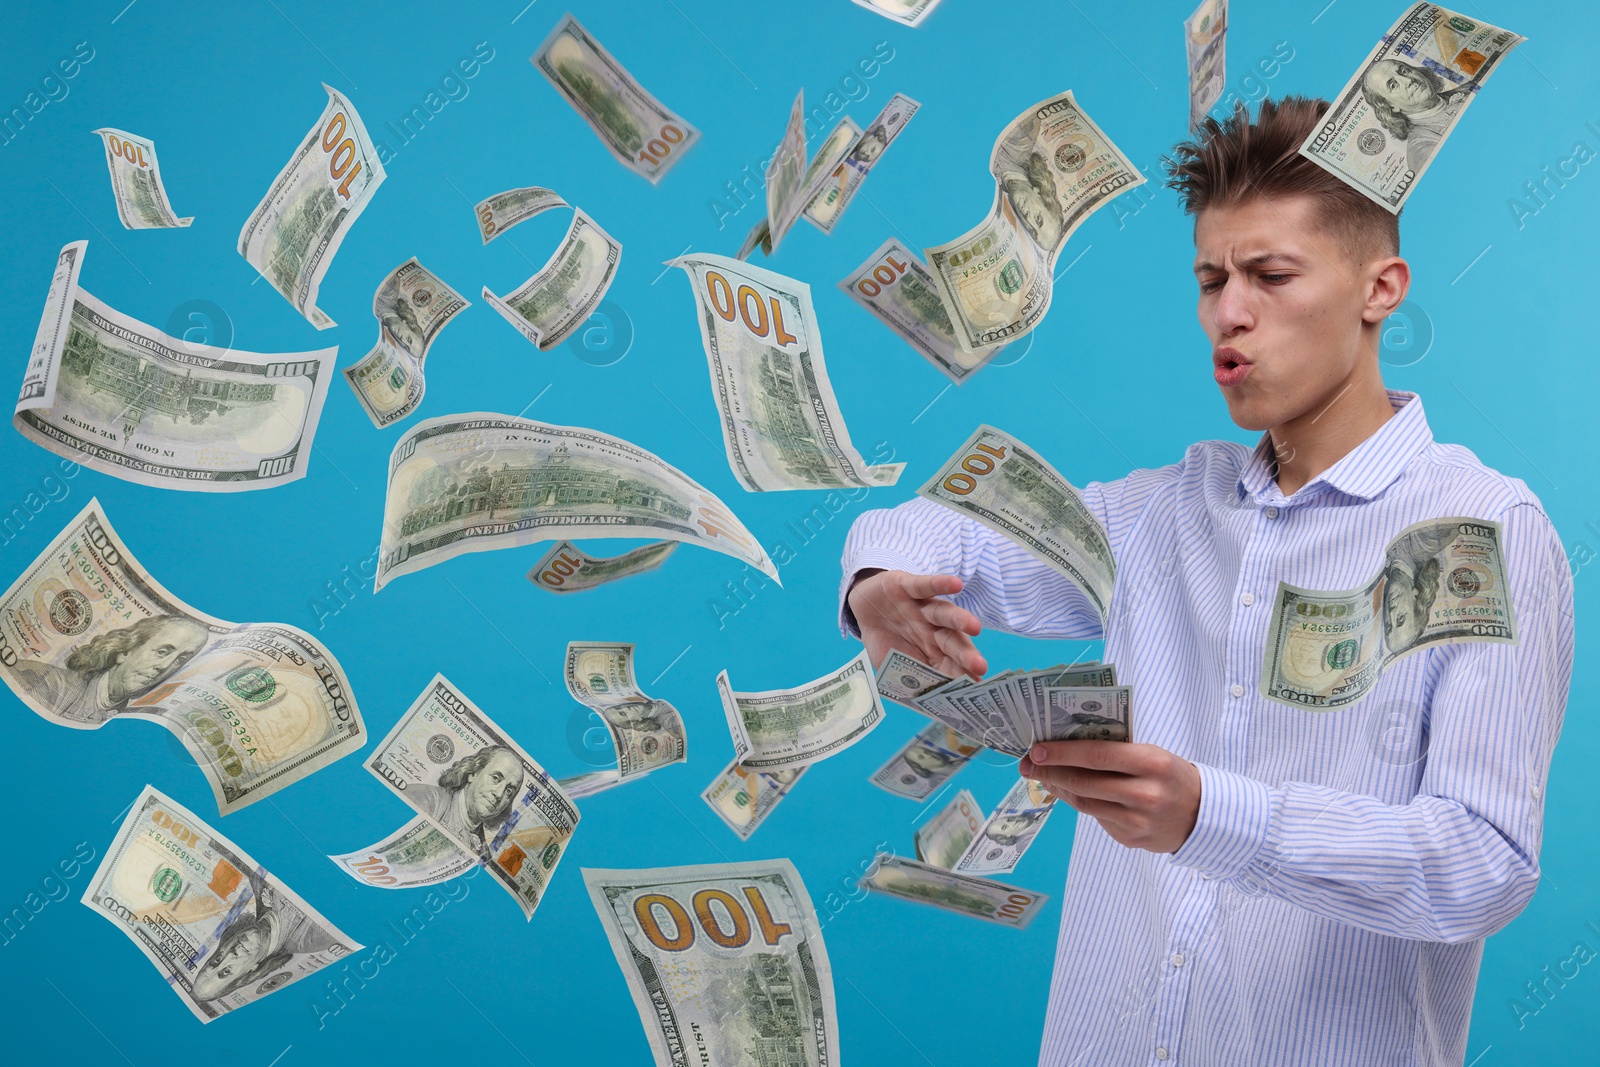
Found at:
(125, 399)
(566, 568)
(1008, 831)
(417, 854)
(827, 204)
(896, 287)
(648, 734)
(220, 928)
(453, 765)
(476, 482)
(1443, 582)
(728, 956)
(964, 894)
(1394, 114)
(142, 202)
(926, 762)
(565, 291)
(743, 796)
(412, 305)
(905, 12)
(790, 727)
(646, 137)
(293, 233)
(87, 635)
(1205, 35)
(1053, 168)
(500, 212)
(781, 423)
(942, 839)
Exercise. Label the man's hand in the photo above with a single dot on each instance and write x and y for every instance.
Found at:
(897, 609)
(1144, 796)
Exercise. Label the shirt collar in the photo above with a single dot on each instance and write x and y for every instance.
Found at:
(1367, 470)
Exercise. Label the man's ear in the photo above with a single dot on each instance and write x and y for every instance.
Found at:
(1388, 281)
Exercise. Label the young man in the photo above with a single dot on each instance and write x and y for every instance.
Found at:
(1255, 883)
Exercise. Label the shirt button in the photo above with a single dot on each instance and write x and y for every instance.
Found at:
(1237, 690)
(1161, 1052)
(1535, 791)
(1272, 513)
(1177, 959)
(1247, 599)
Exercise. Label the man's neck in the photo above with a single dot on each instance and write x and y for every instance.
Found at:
(1311, 443)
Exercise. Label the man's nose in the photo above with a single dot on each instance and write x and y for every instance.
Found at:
(1233, 311)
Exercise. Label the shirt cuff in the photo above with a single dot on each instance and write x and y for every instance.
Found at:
(1231, 828)
(871, 559)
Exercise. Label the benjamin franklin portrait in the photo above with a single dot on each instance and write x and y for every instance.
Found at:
(101, 675)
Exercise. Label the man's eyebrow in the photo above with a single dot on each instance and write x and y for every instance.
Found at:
(1256, 260)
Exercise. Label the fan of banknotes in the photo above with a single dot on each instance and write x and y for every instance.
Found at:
(1015, 709)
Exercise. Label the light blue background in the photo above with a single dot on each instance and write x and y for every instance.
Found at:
(1116, 377)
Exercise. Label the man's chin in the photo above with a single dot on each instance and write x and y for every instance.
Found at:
(1246, 413)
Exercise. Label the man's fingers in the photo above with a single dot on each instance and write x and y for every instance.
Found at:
(943, 613)
(960, 649)
(924, 586)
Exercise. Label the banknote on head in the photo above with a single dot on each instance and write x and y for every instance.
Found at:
(1053, 168)
(791, 727)
(781, 423)
(500, 212)
(905, 12)
(1394, 114)
(648, 734)
(824, 208)
(1443, 581)
(964, 894)
(895, 286)
(643, 135)
(417, 854)
(291, 236)
(412, 305)
(1205, 35)
(566, 568)
(562, 295)
(743, 796)
(1008, 831)
(1003, 484)
(925, 762)
(222, 931)
(118, 396)
(142, 202)
(942, 839)
(480, 481)
(452, 765)
(87, 636)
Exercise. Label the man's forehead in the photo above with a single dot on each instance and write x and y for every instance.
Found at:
(1260, 230)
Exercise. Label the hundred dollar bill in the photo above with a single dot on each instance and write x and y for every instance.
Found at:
(925, 762)
(905, 12)
(500, 212)
(903, 678)
(781, 423)
(896, 287)
(475, 482)
(1394, 114)
(412, 306)
(1205, 34)
(942, 839)
(789, 727)
(830, 153)
(417, 854)
(1008, 831)
(725, 962)
(589, 783)
(825, 207)
(219, 927)
(1053, 168)
(561, 296)
(87, 636)
(646, 137)
(786, 176)
(1079, 713)
(1006, 486)
(568, 569)
(293, 233)
(121, 397)
(1443, 582)
(142, 202)
(451, 764)
(965, 894)
(743, 796)
(647, 733)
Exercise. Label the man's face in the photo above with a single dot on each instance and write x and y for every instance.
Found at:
(161, 653)
(1282, 305)
(928, 760)
(1401, 619)
(1032, 211)
(238, 957)
(870, 148)
(1012, 826)
(1405, 88)
(489, 792)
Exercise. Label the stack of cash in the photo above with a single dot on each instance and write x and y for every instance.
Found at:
(1015, 709)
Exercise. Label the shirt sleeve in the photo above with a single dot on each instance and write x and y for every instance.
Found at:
(1461, 859)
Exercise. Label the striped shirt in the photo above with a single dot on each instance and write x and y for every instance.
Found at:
(1331, 903)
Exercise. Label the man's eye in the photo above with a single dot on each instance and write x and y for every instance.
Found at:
(1210, 286)
(1275, 279)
